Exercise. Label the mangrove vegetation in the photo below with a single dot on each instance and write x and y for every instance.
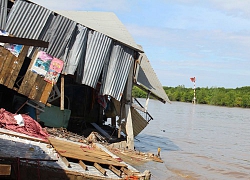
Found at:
(219, 96)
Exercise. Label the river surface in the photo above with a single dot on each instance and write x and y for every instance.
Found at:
(197, 141)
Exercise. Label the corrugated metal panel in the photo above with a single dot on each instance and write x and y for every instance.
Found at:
(58, 35)
(27, 20)
(3, 13)
(148, 79)
(139, 123)
(76, 50)
(97, 50)
(104, 22)
(117, 71)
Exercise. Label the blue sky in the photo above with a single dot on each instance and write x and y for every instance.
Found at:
(208, 39)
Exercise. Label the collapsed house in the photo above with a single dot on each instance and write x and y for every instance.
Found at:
(74, 70)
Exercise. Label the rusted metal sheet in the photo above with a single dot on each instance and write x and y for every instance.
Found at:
(10, 66)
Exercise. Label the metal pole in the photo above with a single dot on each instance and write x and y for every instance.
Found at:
(194, 94)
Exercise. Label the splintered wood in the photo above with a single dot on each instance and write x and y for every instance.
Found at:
(84, 153)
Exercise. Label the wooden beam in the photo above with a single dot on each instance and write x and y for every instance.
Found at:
(116, 171)
(83, 165)
(62, 92)
(99, 168)
(65, 160)
(24, 41)
(126, 171)
(5, 169)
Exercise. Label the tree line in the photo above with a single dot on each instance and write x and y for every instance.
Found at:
(219, 96)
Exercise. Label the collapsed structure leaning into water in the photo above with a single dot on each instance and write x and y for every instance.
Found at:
(83, 76)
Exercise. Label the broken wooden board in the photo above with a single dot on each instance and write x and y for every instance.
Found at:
(34, 86)
(76, 151)
(10, 65)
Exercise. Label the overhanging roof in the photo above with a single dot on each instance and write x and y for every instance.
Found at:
(148, 80)
(103, 22)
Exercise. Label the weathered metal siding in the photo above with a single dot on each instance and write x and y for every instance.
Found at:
(27, 20)
(90, 52)
(58, 35)
(97, 50)
(115, 79)
(75, 52)
(3, 13)
(148, 79)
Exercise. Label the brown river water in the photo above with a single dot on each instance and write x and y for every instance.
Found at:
(197, 141)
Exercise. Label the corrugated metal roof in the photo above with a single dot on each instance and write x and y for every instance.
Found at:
(148, 80)
(114, 80)
(3, 13)
(104, 22)
(27, 20)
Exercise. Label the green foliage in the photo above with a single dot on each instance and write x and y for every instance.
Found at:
(137, 92)
(219, 96)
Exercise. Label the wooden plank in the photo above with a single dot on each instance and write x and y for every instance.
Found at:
(3, 55)
(46, 92)
(17, 67)
(116, 171)
(7, 70)
(99, 168)
(29, 79)
(65, 160)
(5, 169)
(37, 88)
(126, 171)
(4, 72)
(73, 150)
(24, 41)
(39, 93)
(83, 165)
(27, 83)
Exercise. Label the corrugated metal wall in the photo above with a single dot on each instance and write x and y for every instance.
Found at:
(97, 50)
(3, 13)
(75, 51)
(59, 35)
(27, 20)
(120, 63)
(90, 52)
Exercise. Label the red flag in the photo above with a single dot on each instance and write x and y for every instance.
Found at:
(192, 79)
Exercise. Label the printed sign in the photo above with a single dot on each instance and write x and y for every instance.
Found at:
(42, 63)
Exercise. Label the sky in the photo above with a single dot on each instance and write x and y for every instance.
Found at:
(206, 39)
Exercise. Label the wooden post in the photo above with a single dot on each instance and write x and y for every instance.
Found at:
(62, 92)
(128, 98)
(120, 120)
(129, 128)
(146, 105)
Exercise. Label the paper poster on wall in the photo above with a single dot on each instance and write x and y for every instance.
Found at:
(42, 63)
(13, 48)
(55, 69)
